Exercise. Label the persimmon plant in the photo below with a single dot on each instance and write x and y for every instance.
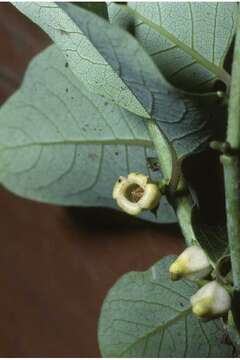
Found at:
(123, 87)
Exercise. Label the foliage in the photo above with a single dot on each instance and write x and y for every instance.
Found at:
(112, 96)
(146, 314)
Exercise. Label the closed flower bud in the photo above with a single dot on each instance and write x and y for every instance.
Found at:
(136, 193)
(211, 301)
(192, 264)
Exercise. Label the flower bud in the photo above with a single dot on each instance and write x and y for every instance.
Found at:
(135, 193)
(192, 264)
(211, 300)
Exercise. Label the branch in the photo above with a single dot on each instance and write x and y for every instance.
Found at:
(231, 164)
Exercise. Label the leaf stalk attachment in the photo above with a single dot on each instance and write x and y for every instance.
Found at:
(182, 203)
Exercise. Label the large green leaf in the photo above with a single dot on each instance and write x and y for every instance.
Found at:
(145, 314)
(61, 144)
(110, 62)
(188, 41)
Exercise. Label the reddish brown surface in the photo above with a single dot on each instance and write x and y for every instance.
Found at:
(55, 265)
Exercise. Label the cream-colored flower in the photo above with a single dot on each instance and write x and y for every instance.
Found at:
(192, 264)
(136, 193)
(211, 300)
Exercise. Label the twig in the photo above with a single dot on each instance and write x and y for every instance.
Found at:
(231, 164)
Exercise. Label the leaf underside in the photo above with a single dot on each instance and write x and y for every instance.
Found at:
(111, 63)
(63, 145)
(206, 28)
(67, 135)
(145, 314)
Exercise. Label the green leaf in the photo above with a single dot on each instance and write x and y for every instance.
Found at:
(99, 8)
(233, 324)
(82, 35)
(63, 145)
(233, 331)
(212, 238)
(145, 314)
(188, 41)
(110, 62)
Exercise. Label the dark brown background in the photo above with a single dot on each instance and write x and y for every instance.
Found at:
(57, 264)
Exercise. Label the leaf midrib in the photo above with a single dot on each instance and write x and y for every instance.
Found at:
(147, 143)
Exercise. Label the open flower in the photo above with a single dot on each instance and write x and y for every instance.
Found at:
(211, 300)
(192, 264)
(136, 193)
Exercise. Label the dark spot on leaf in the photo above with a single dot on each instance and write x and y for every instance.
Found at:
(106, 103)
(153, 164)
(116, 153)
(66, 64)
(93, 156)
(181, 304)
(66, 89)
